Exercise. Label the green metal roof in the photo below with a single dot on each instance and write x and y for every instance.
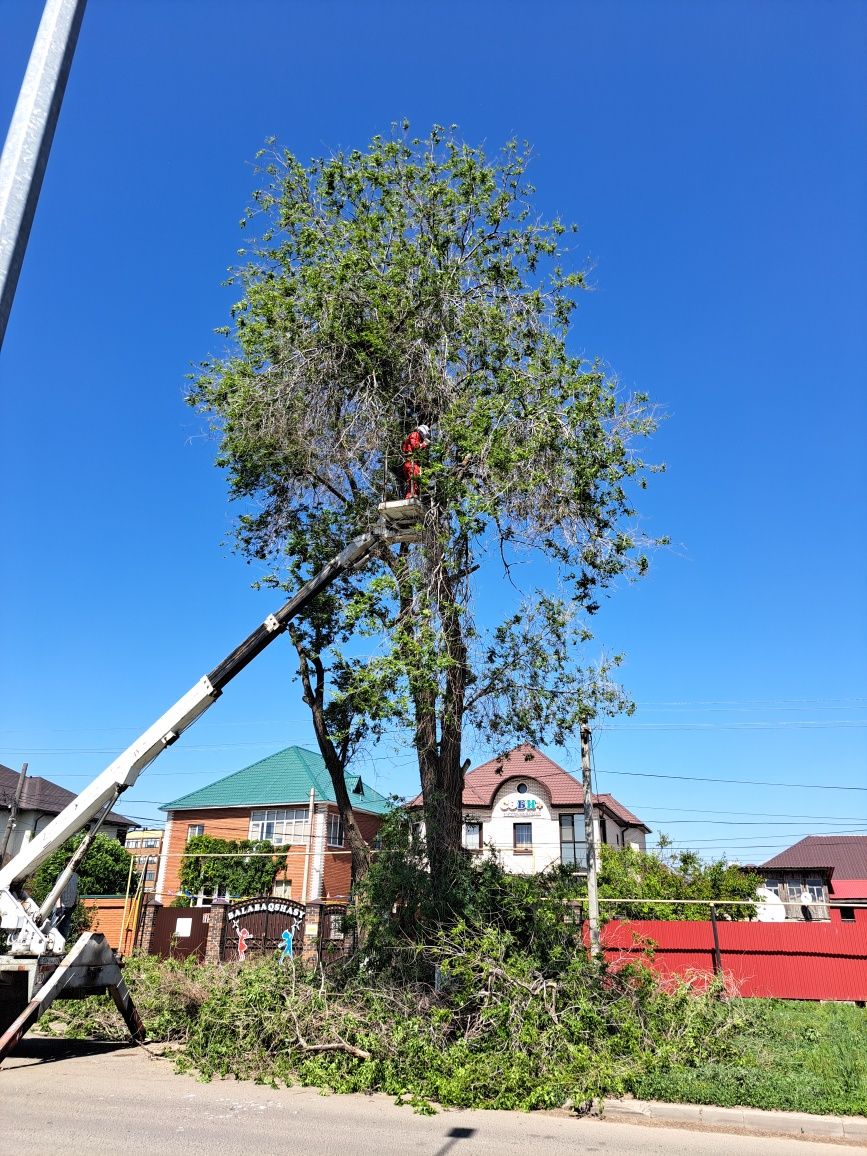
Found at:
(285, 777)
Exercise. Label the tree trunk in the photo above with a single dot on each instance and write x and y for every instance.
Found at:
(440, 767)
(314, 697)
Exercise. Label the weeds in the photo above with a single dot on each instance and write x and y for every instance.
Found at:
(497, 1006)
(498, 1033)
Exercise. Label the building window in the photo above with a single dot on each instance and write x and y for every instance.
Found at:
(283, 888)
(279, 826)
(805, 889)
(847, 914)
(195, 829)
(131, 843)
(816, 889)
(473, 836)
(603, 831)
(151, 843)
(521, 788)
(335, 831)
(573, 848)
(150, 876)
(522, 838)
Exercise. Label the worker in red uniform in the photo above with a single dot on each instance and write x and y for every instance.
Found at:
(417, 441)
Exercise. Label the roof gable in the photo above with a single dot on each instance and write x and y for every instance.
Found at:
(44, 796)
(845, 855)
(482, 783)
(286, 777)
(525, 761)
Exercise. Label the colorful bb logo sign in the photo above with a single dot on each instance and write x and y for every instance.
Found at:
(522, 805)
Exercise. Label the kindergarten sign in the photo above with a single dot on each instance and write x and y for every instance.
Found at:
(262, 925)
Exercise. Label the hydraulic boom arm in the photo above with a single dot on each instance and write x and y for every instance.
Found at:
(18, 914)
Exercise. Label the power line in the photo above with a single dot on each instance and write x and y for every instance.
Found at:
(739, 845)
(776, 816)
(396, 763)
(755, 814)
(604, 727)
(755, 822)
(739, 782)
(775, 703)
(777, 724)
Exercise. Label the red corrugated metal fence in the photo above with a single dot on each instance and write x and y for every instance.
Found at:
(821, 961)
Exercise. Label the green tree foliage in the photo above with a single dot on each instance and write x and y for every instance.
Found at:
(237, 867)
(104, 870)
(412, 282)
(628, 874)
(540, 915)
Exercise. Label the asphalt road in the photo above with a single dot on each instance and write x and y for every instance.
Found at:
(85, 1098)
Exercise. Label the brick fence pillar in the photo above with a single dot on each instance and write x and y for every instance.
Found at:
(216, 931)
(147, 928)
(309, 952)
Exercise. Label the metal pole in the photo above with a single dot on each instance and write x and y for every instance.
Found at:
(28, 143)
(589, 836)
(717, 954)
(123, 924)
(311, 818)
(11, 822)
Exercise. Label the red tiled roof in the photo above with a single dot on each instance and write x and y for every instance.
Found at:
(482, 783)
(621, 812)
(846, 855)
(525, 761)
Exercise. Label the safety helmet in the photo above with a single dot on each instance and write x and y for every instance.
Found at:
(424, 430)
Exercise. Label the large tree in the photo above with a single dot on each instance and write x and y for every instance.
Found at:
(414, 282)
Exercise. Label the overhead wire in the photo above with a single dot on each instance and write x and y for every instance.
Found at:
(775, 703)
(739, 782)
(603, 727)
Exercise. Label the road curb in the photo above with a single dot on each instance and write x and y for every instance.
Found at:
(850, 1129)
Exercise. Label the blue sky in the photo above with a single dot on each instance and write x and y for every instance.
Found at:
(713, 155)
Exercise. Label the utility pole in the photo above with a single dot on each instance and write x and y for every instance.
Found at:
(590, 839)
(28, 143)
(13, 812)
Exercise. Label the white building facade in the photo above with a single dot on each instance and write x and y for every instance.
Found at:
(529, 812)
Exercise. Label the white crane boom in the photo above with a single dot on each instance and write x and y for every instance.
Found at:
(31, 934)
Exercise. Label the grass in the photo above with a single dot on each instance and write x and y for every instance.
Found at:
(790, 1055)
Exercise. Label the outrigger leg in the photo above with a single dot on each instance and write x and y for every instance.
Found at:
(91, 968)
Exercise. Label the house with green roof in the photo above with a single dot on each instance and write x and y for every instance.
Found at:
(287, 798)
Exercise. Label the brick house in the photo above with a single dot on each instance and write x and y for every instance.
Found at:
(272, 799)
(530, 812)
(820, 877)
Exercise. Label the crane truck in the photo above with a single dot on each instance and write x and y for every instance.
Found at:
(34, 971)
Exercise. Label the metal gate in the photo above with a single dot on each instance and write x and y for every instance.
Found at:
(180, 931)
(262, 926)
(334, 941)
